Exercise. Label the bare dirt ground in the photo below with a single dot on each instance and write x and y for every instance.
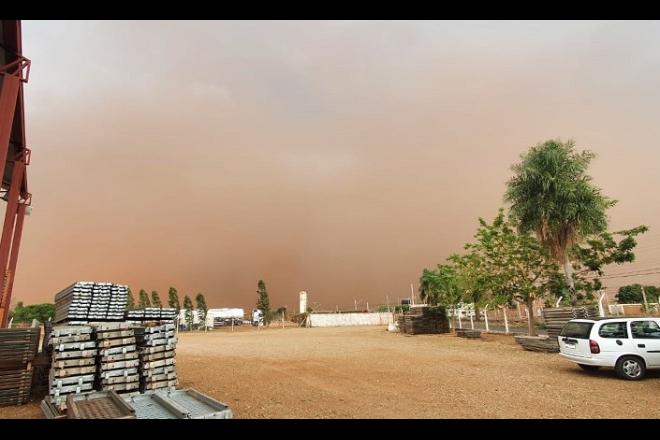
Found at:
(366, 372)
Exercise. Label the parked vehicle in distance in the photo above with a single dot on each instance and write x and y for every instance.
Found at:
(630, 345)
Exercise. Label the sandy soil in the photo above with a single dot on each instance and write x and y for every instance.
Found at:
(369, 373)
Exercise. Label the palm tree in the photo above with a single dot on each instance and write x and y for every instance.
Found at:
(552, 196)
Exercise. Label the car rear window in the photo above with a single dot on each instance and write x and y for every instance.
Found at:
(577, 330)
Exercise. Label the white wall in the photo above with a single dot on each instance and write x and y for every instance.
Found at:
(350, 319)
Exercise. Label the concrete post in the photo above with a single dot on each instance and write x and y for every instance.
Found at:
(486, 317)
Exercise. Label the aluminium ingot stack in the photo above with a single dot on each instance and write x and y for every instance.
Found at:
(73, 365)
(118, 358)
(156, 346)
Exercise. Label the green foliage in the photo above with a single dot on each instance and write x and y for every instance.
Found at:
(131, 300)
(173, 299)
(280, 313)
(143, 299)
(552, 196)
(40, 312)
(515, 265)
(201, 307)
(263, 303)
(443, 285)
(188, 307)
(155, 299)
(632, 294)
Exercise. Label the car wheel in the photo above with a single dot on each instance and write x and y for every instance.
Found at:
(589, 367)
(630, 368)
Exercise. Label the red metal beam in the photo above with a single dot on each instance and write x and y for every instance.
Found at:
(13, 259)
(8, 96)
(14, 73)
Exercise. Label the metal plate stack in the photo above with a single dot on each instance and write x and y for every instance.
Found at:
(135, 315)
(168, 314)
(73, 364)
(118, 358)
(118, 301)
(86, 301)
(157, 348)
(152, 314)
(18, 347)
(73, 302)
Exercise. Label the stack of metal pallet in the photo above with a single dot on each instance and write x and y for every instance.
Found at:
(73, 365)
(177, 404)
(18, 347)
(156, 346)
(118, 359)
(152, 314)
(424, 320)
(86, 301)
(555, 318)
(73, 302)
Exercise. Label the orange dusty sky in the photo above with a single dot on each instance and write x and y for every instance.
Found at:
(337, 157)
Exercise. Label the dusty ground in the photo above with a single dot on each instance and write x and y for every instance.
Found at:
(366, 372)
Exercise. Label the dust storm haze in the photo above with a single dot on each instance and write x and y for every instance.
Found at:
(335, 157)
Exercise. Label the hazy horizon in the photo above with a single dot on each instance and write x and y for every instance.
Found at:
(339, 158)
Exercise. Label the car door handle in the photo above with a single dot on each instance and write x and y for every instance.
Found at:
(641, 345)
(619, 342)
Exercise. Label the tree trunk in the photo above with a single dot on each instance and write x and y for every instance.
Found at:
(530, 317)
(476, 312)
(568, 271)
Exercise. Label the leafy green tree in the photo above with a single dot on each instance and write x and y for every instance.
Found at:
(173, 299)
(155, 299)
(515, 266)
(202, 308)
(143, 299)
(131, 300)
(441, 287)
(40, 312)
(263, 303)
(428, 288)
(188, 307)
(280, 313)
(471, 276)
(552, 196)
(632, 294)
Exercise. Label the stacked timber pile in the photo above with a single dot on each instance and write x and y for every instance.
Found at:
(556, 318)
(468, 333)
(157, 345)
(73, 362)
(86, 301)
(538, 343)
(424, 320)
(117, 363)
(18, 347)
(151, 314)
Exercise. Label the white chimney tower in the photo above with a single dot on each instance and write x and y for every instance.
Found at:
(303, 302)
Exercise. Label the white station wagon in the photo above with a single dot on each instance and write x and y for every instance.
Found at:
(629, 345)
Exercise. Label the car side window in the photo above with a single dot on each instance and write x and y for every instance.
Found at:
(645, 330)
(613, 330)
